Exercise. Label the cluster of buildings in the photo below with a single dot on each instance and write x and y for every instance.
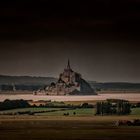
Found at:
(69, 83)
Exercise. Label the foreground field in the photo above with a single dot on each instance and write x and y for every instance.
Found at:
(53, 125)
(70, 128)
(84, 125)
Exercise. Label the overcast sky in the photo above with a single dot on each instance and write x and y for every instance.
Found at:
(101, 39)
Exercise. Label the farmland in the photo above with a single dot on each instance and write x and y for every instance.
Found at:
(71, 128)
(53, 125)
(80, 112)
(80, 124)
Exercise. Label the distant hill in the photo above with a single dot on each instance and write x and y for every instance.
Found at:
(115, 86)
(26, 80)
(34, 83)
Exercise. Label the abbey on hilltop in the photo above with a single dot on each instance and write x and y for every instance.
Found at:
(69, 83)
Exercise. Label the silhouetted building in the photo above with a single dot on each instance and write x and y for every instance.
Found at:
(69, 83)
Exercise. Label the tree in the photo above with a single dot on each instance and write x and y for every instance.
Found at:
(120, 107)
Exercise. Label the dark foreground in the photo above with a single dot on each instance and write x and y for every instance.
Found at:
(66, 129)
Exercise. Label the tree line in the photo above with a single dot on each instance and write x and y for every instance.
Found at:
(12, 104)
(113, 107)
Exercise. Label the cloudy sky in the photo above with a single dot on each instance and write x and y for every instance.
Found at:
(101, 38)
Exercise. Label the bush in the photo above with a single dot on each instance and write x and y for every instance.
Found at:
(110, 107)
(12, 104)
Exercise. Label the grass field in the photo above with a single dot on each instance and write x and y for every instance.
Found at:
(32, 109)
(61, 111)
(55, 126)
(135, 111)
(53, 111)
(79, 112)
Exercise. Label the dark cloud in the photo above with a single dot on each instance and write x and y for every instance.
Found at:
(42, 18)
(101, 38)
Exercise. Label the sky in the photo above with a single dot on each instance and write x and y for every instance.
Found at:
(101, 38)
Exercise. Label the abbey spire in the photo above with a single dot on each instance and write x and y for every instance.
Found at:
(68, 65)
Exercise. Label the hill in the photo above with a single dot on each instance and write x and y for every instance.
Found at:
(25, 80)
(33, 83)
(115, 86)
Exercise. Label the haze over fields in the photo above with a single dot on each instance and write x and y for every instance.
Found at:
(134, 97)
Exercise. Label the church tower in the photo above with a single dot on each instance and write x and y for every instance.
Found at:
(68, 71)
(68, 65)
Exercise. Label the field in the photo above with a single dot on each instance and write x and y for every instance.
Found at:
(70, 128)
(125, 96)
(60, 111)
(53, 111)
(80, 124)
(84, 125)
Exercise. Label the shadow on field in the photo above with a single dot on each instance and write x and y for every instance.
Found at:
(66, 129)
